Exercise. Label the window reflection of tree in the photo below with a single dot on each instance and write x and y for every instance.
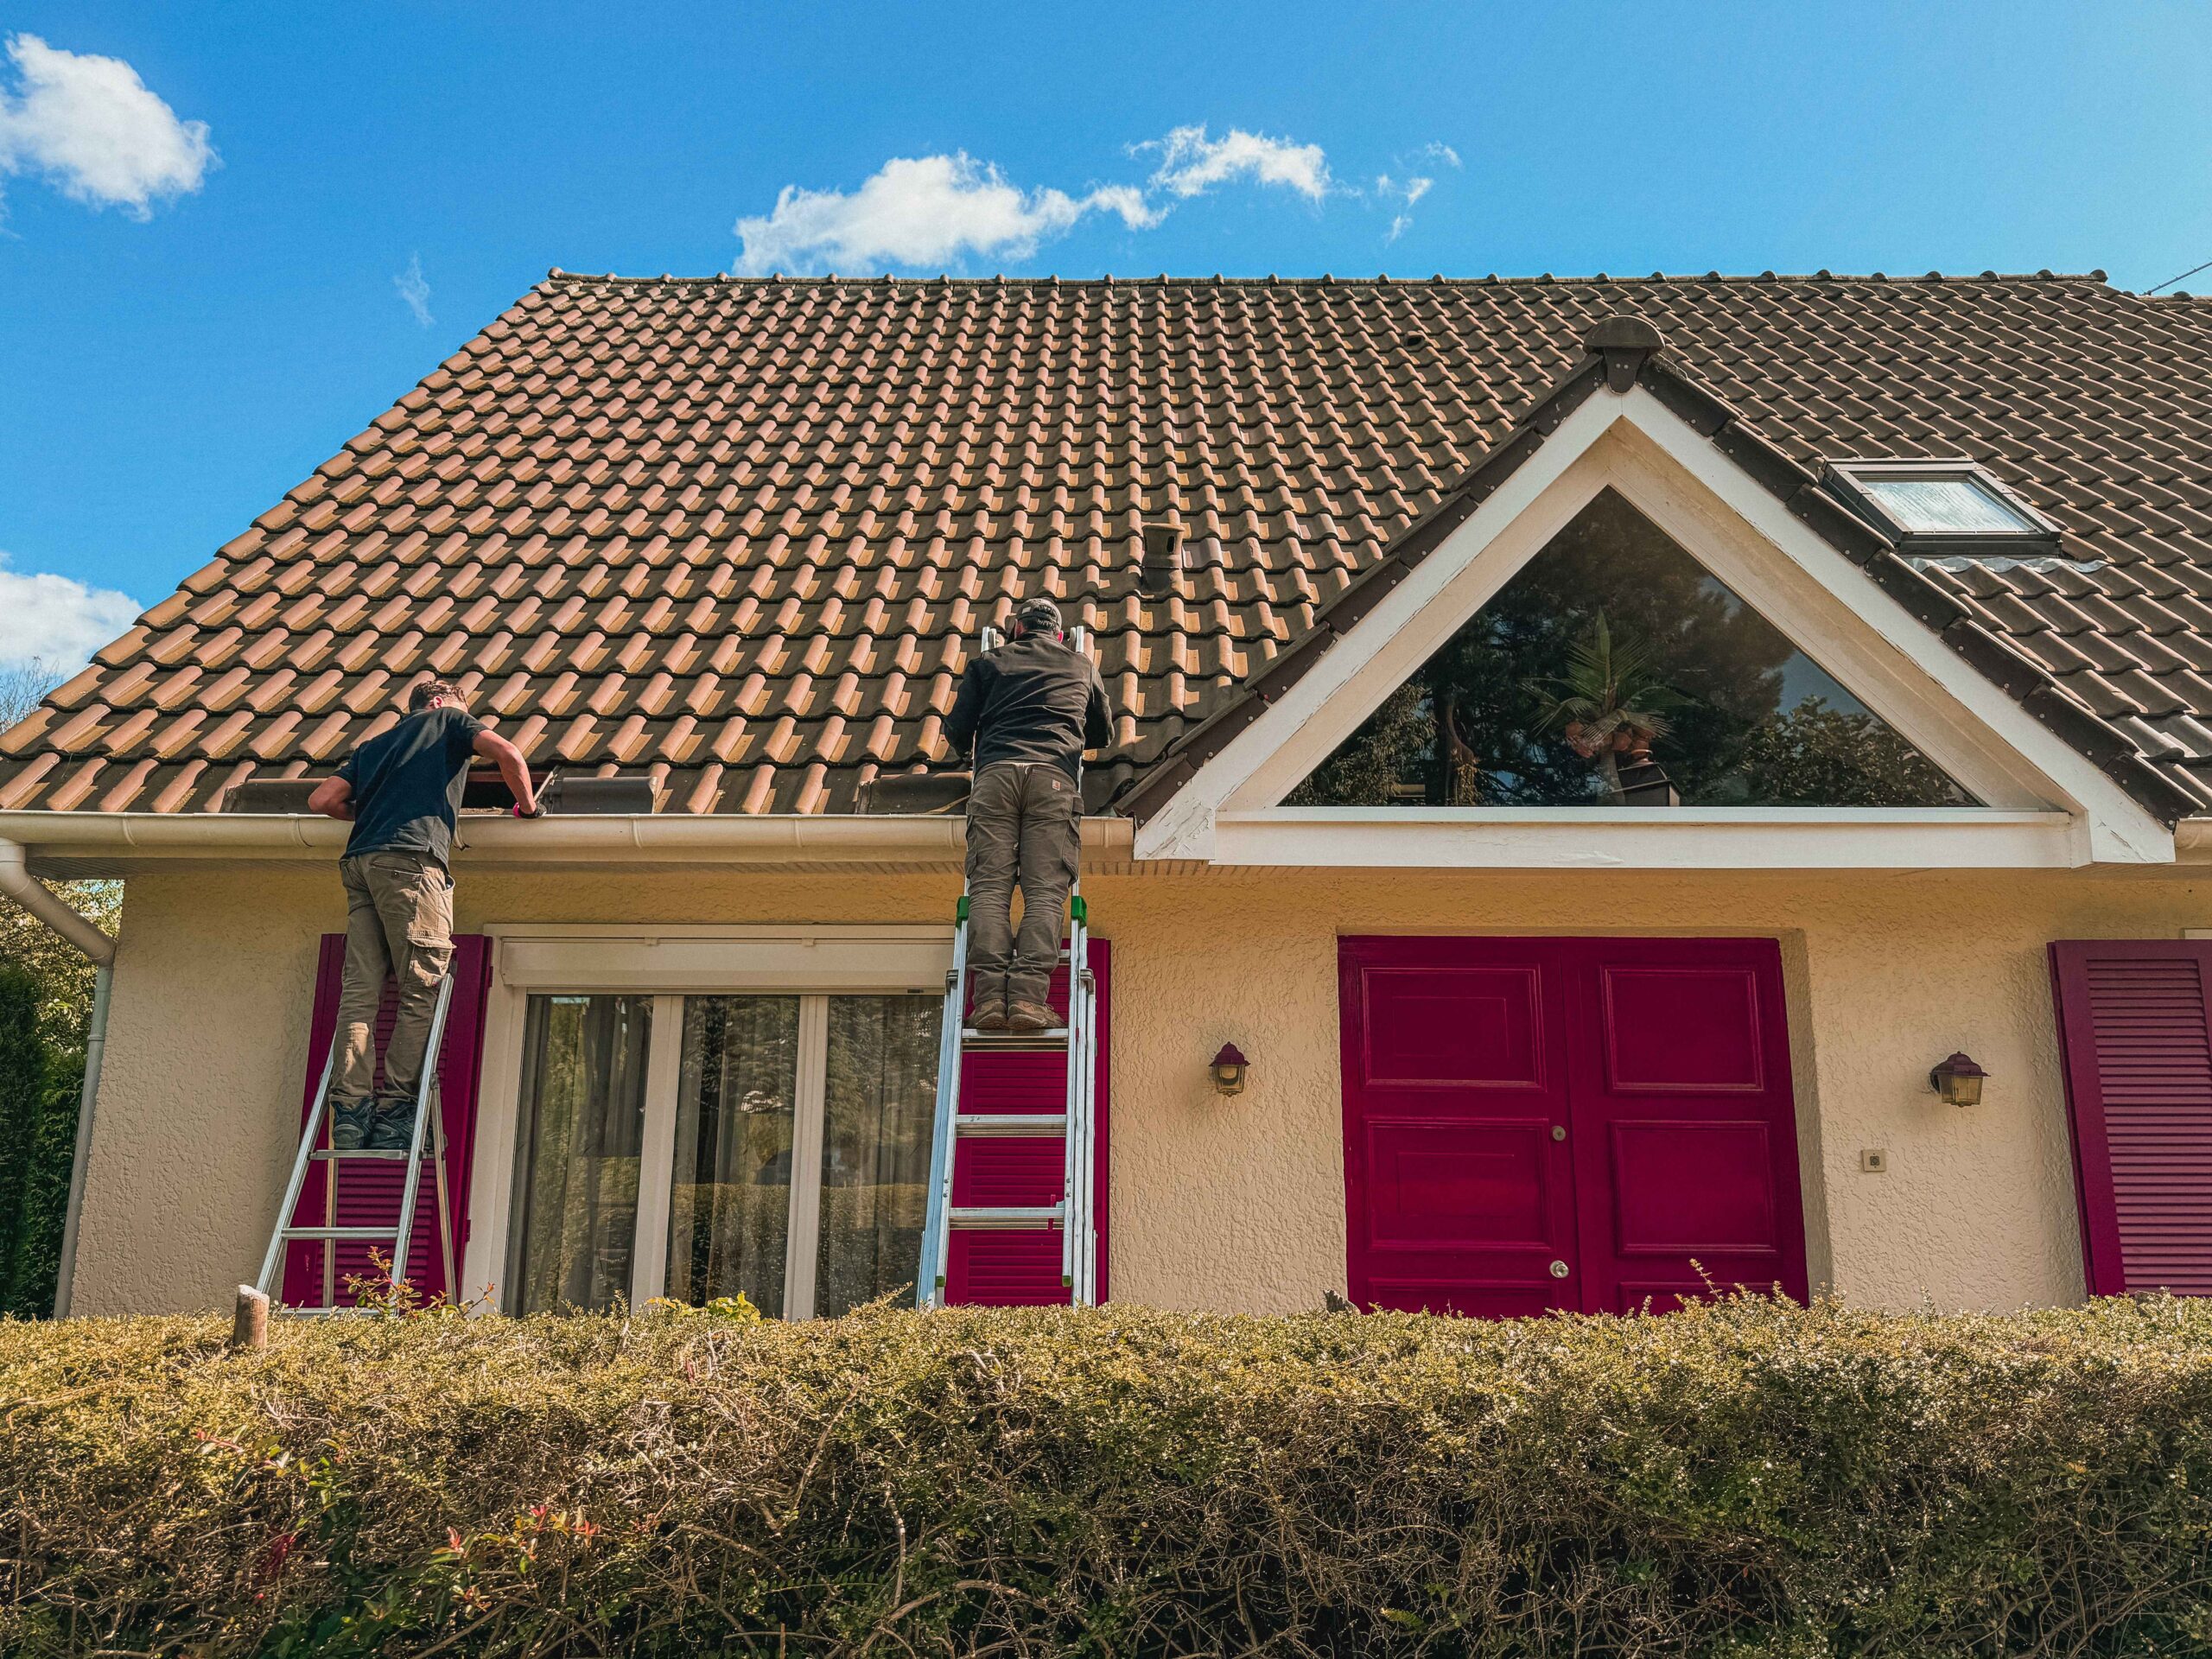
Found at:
(1469, 728)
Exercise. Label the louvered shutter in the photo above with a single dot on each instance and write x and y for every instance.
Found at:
(1020, 1268)
(368, 1193)
(2135, 1026)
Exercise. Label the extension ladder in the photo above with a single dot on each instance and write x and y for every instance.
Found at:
(427, 1146)
(1075, 1125)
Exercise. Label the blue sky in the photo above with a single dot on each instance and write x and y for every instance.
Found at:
(224, 251)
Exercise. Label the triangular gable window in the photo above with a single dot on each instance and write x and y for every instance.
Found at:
(1614, 669)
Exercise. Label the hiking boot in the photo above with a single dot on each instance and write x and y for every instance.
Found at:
(989, 1016)
(393, 1129)
(349, 1124)
(1029, 1016)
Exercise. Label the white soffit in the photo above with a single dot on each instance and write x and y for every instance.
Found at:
(2042, 793)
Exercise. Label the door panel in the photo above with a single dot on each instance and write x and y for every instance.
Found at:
(1475, 1027)
(1534, 1124)
(1668, 1028)
(1685, 1120)
(1682, 1187)
(1454, 1083)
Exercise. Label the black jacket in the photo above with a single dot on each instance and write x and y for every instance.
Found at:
(1032, 699)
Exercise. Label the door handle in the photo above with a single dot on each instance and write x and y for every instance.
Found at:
(1559, 1269)
(1558, 1131)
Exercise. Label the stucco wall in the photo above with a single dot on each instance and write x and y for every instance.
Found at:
(1234, 1205)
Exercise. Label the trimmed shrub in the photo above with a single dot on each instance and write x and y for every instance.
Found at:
(1741, 1480)
(25, 1084)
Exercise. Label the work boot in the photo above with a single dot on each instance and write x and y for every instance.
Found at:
(393, 1129)
(1023, 1015)
(988, 1016)
(349, 1124)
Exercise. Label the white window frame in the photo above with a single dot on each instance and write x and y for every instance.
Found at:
(813, 961)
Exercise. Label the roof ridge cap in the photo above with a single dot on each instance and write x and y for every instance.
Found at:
(1381, 279)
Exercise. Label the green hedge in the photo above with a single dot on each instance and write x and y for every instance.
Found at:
(1745, 1479)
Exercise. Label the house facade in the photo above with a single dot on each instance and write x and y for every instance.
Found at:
(1602, 750)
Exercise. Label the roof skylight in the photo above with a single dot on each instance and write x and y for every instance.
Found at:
(1926, 503)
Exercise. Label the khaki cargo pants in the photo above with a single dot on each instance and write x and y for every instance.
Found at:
(398, 922)
(1025, 824)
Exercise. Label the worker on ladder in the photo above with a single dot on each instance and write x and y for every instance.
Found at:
(402, 792)
(1028, 709)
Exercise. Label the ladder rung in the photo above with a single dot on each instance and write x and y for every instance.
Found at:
(973, 1123)
(1055, 1037)
(327, 1155)
(340, 1235)
(322, 1312)
(1048, 1215)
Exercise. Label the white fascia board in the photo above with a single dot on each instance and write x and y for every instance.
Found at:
(1817, 597)
(1631, 838)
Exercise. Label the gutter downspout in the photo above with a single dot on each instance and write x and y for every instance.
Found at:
(27, 890)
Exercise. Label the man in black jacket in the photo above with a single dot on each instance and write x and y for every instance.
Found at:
(1030, 708)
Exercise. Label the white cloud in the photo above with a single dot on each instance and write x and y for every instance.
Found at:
(1405, 191)
(1411, 188)
(921, 210)
(1191, 164)
(414, 291)
(57, 619)
(92, 127)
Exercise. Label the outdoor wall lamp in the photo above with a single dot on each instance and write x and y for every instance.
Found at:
(1229, 1068)
(1958, 1080)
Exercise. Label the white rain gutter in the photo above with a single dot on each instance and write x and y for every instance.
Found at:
(679, 838)
(2193, 841)
(27, 890)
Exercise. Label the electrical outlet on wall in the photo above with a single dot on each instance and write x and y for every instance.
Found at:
(1872, 1160)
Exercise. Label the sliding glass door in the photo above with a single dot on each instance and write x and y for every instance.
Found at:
(775, 1146)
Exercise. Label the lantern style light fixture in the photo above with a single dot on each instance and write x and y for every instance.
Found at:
(1958, 1080)
(1229, 1068)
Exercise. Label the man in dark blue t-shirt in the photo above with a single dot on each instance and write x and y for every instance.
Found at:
(401, 791)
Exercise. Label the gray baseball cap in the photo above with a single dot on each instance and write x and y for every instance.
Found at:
(1038, 616)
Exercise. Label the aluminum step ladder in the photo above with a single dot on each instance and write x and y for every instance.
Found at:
(428, 1145)
(1076, 1124)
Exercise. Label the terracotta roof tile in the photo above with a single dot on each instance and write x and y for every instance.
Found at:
(741, 533)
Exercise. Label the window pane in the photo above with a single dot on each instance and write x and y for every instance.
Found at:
(1942, 506)
(729, 1216)
(1614, 669)
(583, 1116)
(878, 1119)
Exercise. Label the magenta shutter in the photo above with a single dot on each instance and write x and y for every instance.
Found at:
(368, 1193)
(2135, 1032)
(1021, 1268)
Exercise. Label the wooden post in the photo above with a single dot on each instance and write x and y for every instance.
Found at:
(250, 1325)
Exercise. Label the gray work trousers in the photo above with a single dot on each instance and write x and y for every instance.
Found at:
(398, 922)
(1024, 823)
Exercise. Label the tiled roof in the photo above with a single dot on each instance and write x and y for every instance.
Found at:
(740, 534)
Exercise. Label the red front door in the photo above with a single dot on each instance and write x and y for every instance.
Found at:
(1580, 1124)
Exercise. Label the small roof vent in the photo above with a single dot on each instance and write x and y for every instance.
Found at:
(1625, 342)
(1162, 558)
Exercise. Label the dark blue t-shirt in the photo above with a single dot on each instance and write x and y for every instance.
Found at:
(406, 783)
